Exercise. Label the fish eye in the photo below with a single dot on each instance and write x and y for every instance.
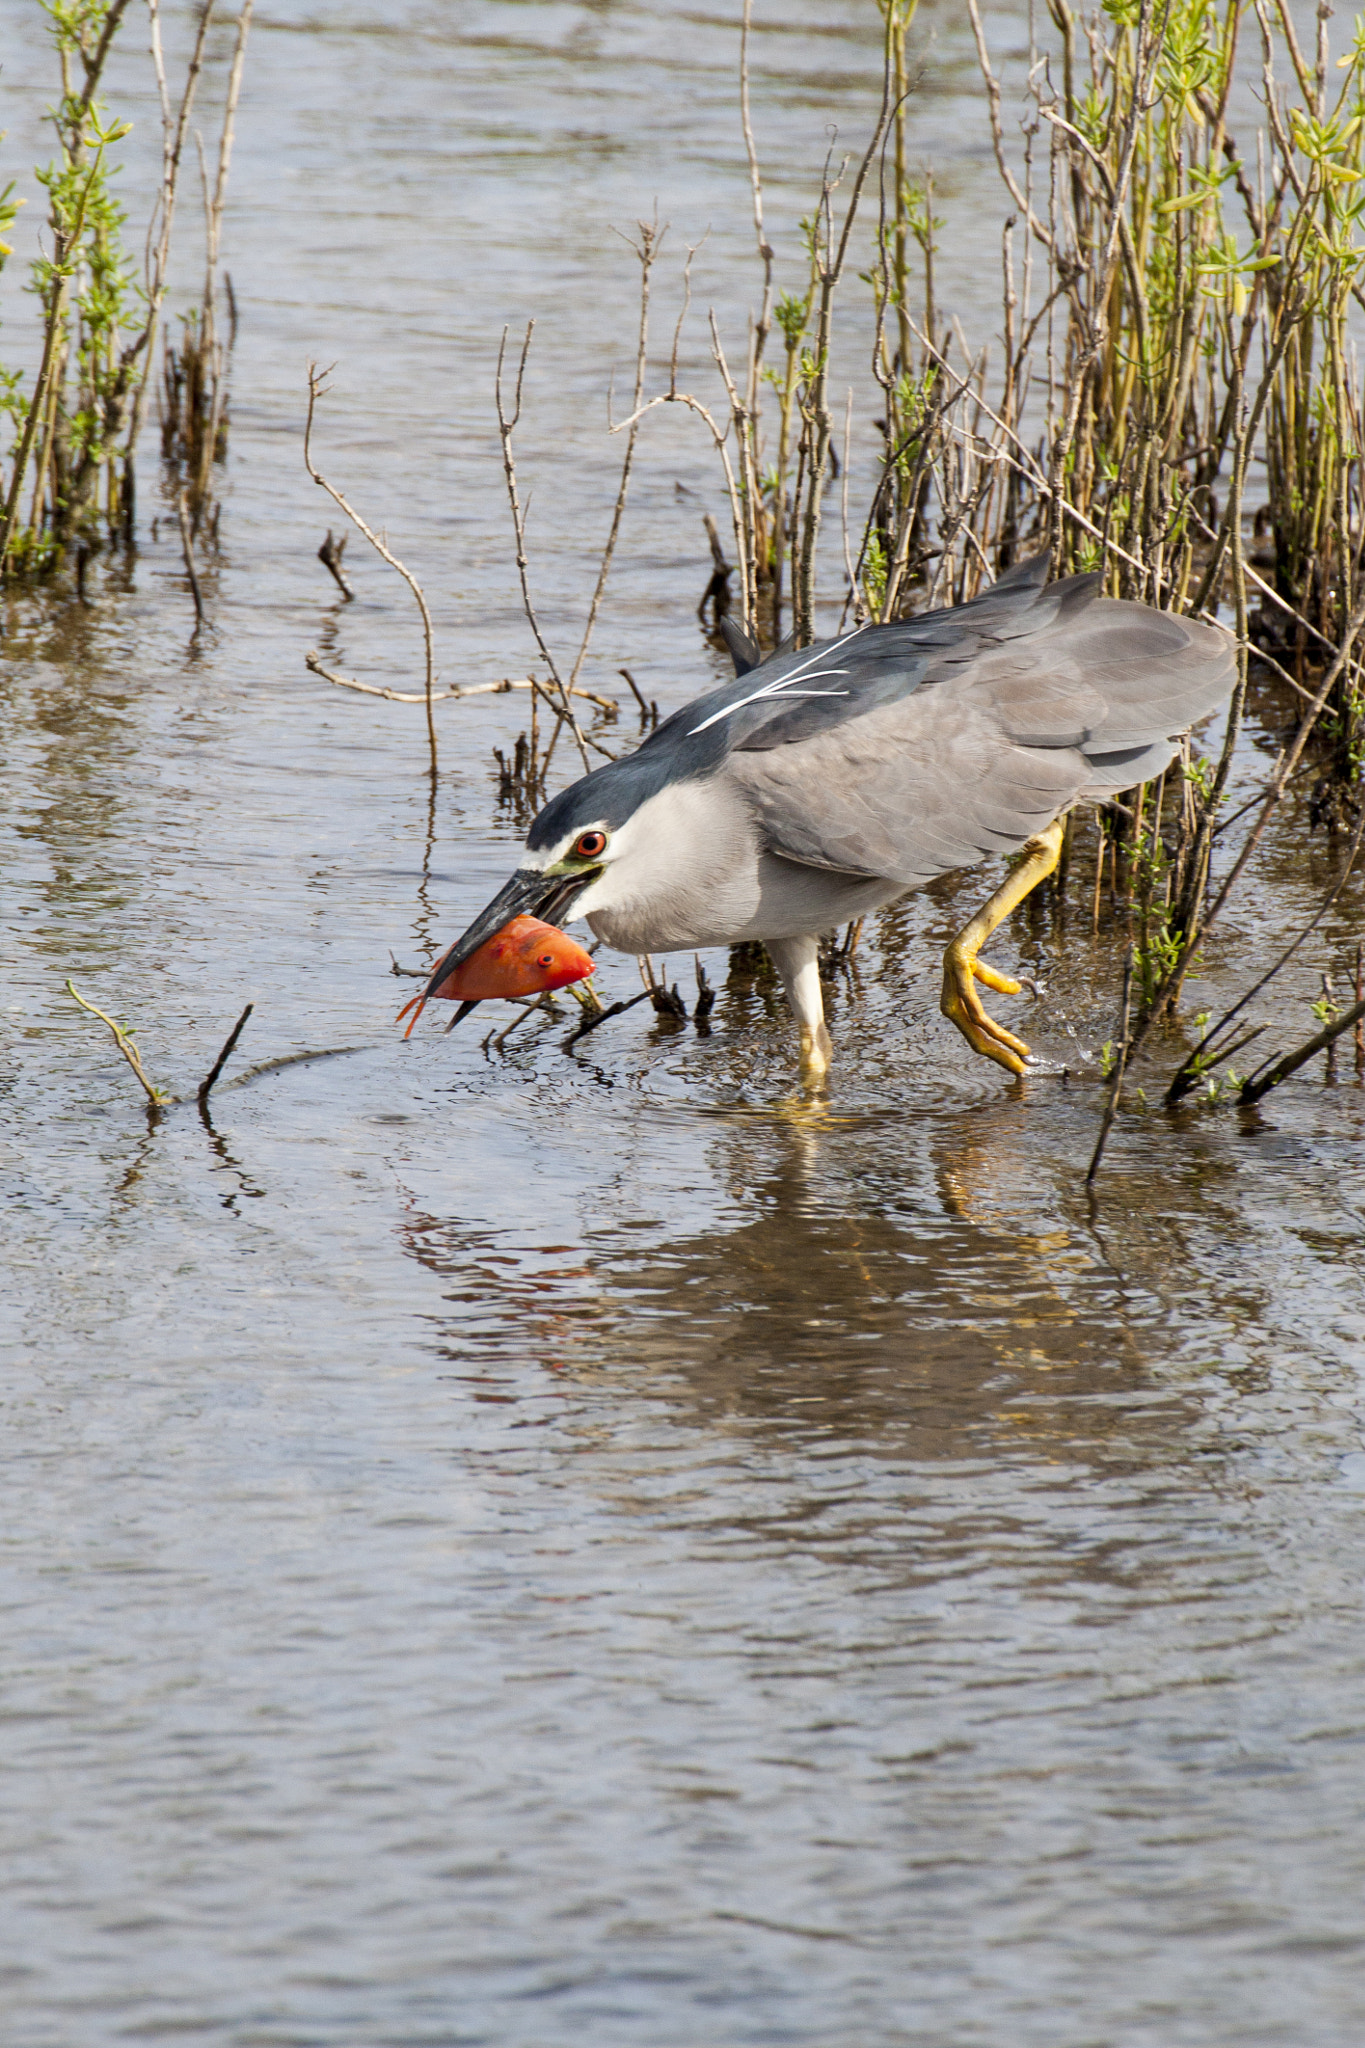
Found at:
(589, 845)
(546, 960)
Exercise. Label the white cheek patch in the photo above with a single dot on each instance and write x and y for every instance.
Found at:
(536, 861)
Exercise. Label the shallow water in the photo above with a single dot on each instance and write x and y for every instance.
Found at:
(551, 1547)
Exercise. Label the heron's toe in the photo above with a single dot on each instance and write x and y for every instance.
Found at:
(962, 1006)
(1003, 984)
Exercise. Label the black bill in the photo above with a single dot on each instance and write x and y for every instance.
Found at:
(524, 894)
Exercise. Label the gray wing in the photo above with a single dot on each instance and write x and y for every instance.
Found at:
(989, 749)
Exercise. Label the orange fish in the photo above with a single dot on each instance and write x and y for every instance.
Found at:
(525, 958)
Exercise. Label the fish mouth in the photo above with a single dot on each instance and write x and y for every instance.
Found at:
(524, 894)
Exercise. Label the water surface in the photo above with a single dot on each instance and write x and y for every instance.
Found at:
(542, 1548)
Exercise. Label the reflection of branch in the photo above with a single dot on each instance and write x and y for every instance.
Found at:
(466, 690)
(316, 390)
(124, 1041)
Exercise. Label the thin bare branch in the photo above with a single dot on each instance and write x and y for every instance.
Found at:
(317, 390)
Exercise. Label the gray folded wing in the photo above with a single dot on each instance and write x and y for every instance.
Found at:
(1000, 737)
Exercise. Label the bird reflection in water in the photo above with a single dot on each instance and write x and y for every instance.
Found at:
(868, 1280)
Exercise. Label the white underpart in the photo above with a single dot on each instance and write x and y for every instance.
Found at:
(782, 687)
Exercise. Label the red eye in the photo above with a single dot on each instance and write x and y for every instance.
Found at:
(546, 960)
(590, 845)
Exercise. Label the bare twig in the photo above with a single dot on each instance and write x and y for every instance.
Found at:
(649, 713)
(187, 547)
(317, 390)
(506, 425)
(997, 130)
(591, 1022)
(224, 1056)
(762, 326)
(651, 237)
(330, 554)
(499, 689)
(174, 128)
(1120, 1063)
(123, 1039)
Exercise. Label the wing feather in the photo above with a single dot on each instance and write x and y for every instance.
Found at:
(996, 738)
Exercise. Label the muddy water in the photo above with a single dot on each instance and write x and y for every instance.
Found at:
(551, 1547)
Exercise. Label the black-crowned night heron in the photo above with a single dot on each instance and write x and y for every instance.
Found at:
(823, 783)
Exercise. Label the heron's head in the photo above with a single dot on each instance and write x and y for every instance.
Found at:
(629, 833)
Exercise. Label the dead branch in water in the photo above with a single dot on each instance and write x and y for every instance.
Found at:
(1204, 1058)
(507, 423)
(187, 548)
(123, 1038)
(596, 1017)
(501, 689)
(330, 554)
(1120, 1064)
(224, 1056)
(1261, 1084)
(646, 249)
(317, 390)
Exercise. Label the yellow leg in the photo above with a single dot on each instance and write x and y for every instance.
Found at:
(816, 1053)
(962, 970)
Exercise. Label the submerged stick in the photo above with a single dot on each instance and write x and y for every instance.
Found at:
(600, 1017)
(330, 554)
(216, 1069)
(187, 547)
(1121, 1061)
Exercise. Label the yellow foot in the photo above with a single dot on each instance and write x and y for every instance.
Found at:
(816, 1053)
(962, 1004)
